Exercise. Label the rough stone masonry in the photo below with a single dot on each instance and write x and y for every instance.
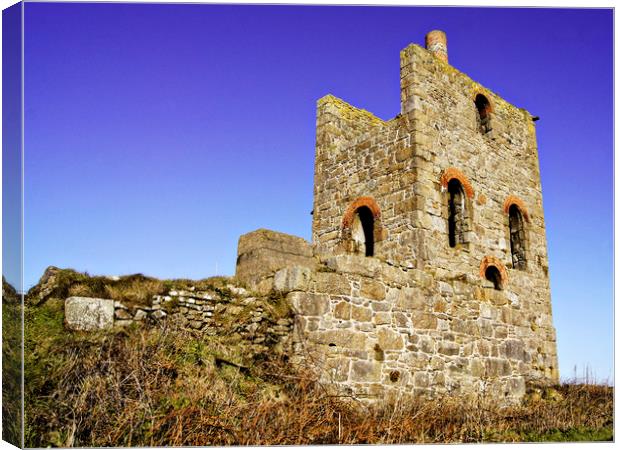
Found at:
(428, 268)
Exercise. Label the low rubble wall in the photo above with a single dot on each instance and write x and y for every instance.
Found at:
(231, 311)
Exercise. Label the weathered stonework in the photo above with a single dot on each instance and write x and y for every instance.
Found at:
(385, 330)
(431, 270)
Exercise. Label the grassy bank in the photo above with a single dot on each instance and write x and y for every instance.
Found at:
(164, 386)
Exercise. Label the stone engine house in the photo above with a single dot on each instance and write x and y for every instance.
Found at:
(428, 268)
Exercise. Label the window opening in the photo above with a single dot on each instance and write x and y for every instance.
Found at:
(484, 113)
(362, 231)
(517, 237)
(456, 213)
(492, 274)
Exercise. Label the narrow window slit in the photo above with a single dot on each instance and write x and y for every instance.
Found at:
(456, 213)
(517, 237)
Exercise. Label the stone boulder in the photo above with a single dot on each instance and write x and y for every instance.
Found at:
(88, 314)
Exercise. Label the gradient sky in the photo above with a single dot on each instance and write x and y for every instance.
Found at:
(155, 135)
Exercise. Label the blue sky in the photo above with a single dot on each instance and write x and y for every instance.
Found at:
(155, 135)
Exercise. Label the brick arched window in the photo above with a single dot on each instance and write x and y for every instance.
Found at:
(492, 269)
(517, 217)
(459, 190)
(517, 237)
(361, 226)
(484, 113)
(457, 213)
(362, 231)
(492, 274)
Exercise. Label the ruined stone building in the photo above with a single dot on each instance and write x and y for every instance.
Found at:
(427, 272)
(428, 268)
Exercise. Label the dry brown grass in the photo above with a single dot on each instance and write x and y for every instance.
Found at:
(136, 291)
(162, 386)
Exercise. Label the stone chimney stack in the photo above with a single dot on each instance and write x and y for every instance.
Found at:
(437, 44)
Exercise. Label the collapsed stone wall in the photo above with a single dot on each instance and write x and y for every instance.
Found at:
(264, 322)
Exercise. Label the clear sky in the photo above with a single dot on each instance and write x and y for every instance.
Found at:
(155, 135)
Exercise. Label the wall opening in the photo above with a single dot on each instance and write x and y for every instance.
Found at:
(517, 237)
(492, 274)
(394, 376)
(484, 113)
(361, 227)
(362, 231)
(456, 213)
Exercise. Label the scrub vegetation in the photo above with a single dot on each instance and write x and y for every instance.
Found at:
(11, 364)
